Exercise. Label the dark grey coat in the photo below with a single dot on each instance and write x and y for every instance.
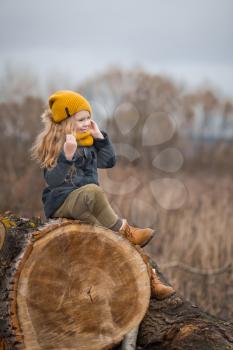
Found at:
(85, 162)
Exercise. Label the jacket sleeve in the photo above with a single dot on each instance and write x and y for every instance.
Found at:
(106, 157)
(56, 176)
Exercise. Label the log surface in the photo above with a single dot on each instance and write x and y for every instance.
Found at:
(172, 324)
(72, 286)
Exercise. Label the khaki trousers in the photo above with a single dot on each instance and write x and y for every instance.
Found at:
(89, 204)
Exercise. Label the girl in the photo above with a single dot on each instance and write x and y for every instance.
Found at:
(70, 149)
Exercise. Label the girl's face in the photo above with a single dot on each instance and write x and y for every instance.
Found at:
(82, 121)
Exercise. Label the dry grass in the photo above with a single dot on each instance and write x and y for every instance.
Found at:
(195, 246)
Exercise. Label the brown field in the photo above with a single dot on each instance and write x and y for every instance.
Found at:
(194, 247)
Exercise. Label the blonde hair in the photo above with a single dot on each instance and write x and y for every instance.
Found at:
(49, 142)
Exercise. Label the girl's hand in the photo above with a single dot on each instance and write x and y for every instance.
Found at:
(95, 131)
(70, 146)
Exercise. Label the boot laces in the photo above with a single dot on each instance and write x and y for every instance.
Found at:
(128, 232)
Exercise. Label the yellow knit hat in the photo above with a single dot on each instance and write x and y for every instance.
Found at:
(65, 103)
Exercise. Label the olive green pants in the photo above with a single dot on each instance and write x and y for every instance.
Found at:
(89, 204)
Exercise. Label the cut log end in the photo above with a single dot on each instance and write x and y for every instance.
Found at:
(82, 287)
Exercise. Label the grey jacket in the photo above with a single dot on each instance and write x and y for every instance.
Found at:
(85, 162)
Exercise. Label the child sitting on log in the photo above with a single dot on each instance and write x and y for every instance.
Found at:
(70, 149)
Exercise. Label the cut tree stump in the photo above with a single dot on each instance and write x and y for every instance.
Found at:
(61, 291)
(72, 286)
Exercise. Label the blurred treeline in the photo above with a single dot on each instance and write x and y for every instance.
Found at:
(148, 117)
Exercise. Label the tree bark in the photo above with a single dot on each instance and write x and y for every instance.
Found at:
(172, 324)
(176, 324)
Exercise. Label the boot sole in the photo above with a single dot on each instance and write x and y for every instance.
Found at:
(163, 298)
(148, 241)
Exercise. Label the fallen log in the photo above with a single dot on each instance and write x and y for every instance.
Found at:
(71, 286)
(176, 324)
(43, 299)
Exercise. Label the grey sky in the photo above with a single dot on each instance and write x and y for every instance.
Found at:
(192, 40)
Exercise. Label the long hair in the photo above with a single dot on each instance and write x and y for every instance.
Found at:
(49, 142)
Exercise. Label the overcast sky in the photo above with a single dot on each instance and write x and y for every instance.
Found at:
(191, 40)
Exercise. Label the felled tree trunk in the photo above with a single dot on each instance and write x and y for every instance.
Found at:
(71, 286)
(176, 324)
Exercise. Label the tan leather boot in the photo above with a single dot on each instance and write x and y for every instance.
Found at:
(137, 236)
(158, 289)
